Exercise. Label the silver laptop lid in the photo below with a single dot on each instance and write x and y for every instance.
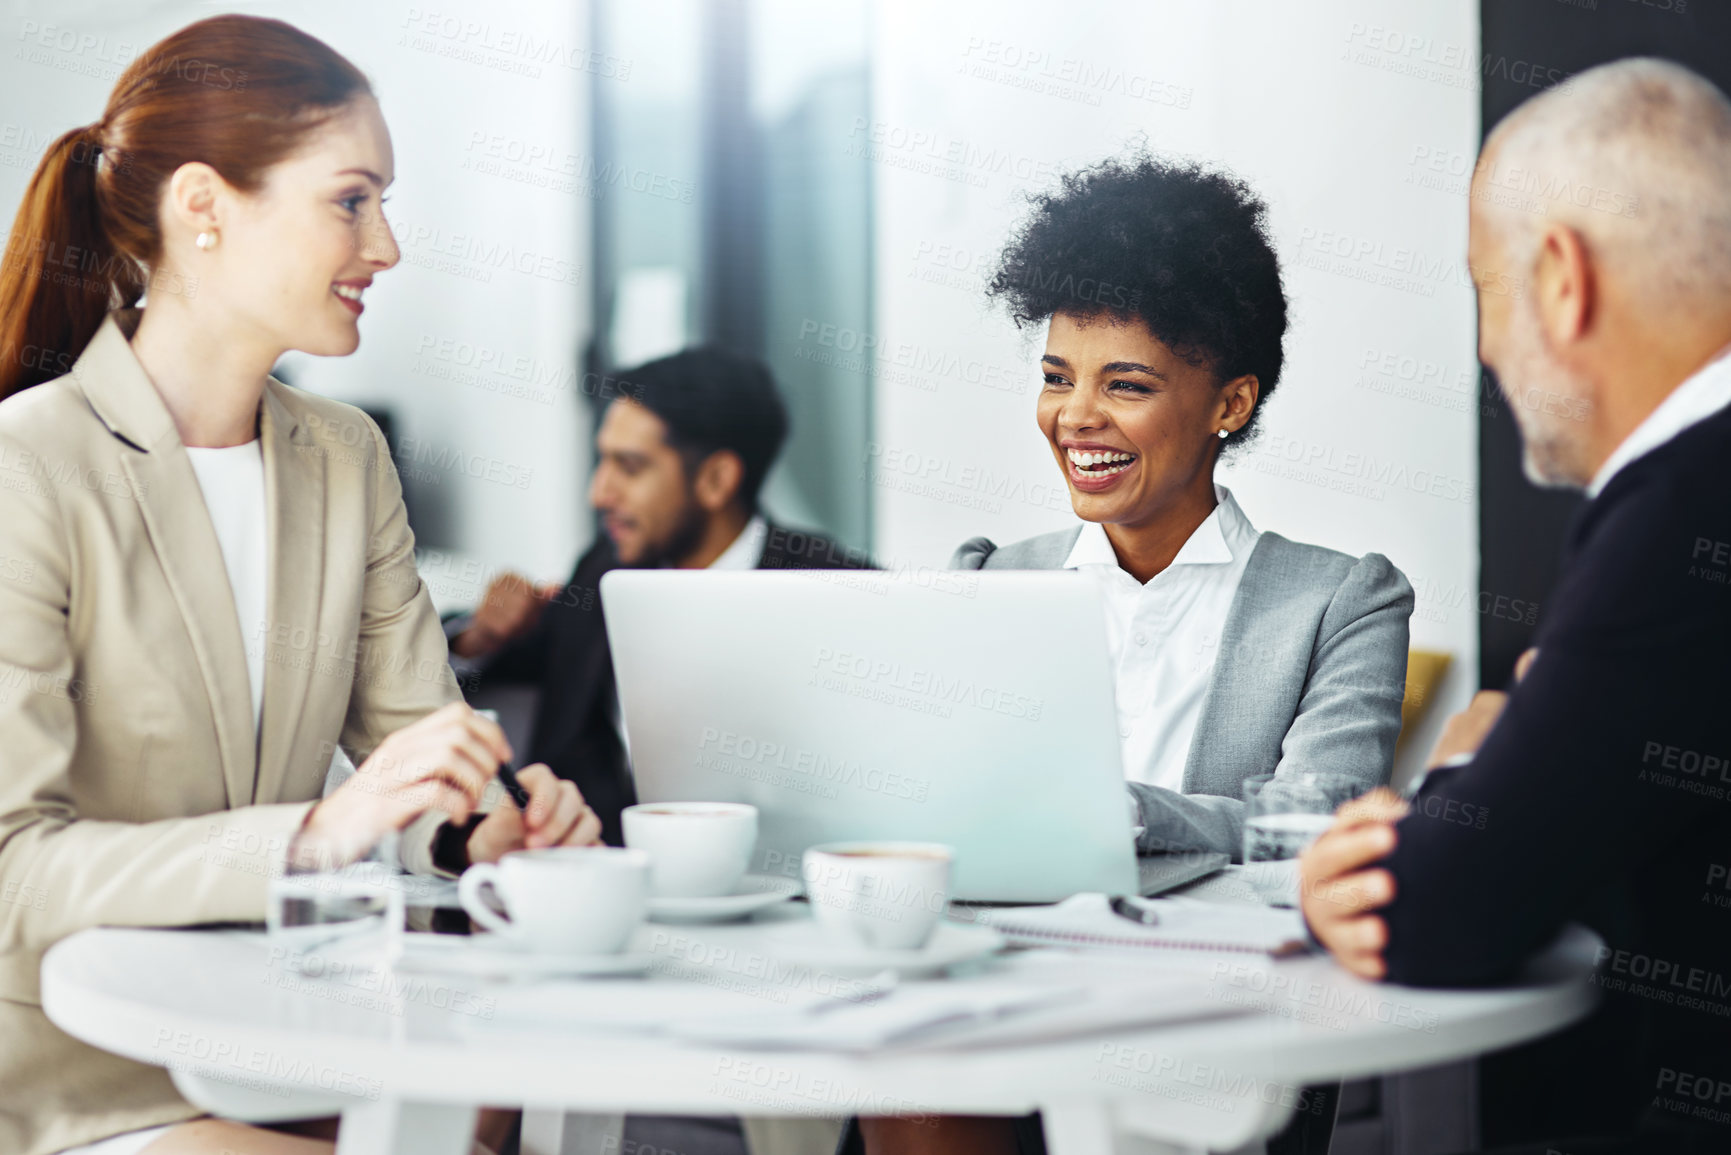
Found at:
(965, 708)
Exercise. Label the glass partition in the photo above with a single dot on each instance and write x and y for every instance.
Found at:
(731, 211)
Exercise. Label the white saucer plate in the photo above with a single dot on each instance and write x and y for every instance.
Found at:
(486, 956)
(755, 892)
(808, 944)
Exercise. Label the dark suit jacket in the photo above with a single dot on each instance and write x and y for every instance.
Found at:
(1603, 796)
(567, 657)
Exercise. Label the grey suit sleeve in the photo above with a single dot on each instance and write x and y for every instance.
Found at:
(972, 554)
(1347, 720)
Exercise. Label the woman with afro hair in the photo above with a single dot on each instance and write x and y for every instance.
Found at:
(1235, 652)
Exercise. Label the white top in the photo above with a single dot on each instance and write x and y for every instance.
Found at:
(1702, 394)
(1163, 636)
(232, 480)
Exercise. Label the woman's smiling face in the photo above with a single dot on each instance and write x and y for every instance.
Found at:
(1134, 426)
(297, 254)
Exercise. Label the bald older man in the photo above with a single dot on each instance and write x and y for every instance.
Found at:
(1599, 789)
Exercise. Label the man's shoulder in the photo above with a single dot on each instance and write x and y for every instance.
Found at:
(597, 560)
(1680, 488)
(788, 548)
(1649, 558)
(1693, 467)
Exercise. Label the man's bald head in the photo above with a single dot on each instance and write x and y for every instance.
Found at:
(1636, 157)
(1601, 249)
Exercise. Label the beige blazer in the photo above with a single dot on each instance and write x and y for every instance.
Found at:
(133, 789)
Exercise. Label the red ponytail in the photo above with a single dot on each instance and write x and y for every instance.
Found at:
(236, 92)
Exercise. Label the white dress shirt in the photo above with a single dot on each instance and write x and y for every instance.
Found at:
(747, 549)
(1702, 394)
(1163, 636)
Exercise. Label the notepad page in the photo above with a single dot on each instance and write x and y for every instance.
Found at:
(1086, 920)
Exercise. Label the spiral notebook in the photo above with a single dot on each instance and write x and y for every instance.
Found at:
(1087, 920)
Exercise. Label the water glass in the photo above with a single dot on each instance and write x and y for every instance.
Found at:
(309, 909)
(1283, 814)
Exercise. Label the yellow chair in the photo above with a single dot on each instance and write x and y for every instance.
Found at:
(1425, 670)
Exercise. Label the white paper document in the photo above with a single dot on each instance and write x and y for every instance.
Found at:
(1087, 921)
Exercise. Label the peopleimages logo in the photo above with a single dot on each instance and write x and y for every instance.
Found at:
(807, 771)
(1354, 471)
(916, 471)
(930, 685)
(873, 351)
(1670, 981)
(880, 140)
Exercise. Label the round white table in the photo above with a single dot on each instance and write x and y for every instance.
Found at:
(407, 1061)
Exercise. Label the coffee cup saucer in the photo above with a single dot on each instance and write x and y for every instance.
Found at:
(751, 894)
(491, 956)
(806, 943)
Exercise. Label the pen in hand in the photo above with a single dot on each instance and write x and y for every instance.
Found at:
(508, 778)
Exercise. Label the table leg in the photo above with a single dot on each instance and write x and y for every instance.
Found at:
(1086, 1129)
(1078, 1129)
(396, 1127)
(556, 1132)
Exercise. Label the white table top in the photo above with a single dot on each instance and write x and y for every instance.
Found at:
(222, 1005)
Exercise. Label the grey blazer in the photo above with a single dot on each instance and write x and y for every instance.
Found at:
(1309, 675)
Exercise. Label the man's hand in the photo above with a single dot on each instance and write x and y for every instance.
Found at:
(1339, 889)
(510, 609)
(557, 816)
(441, 762)
(1466, 731)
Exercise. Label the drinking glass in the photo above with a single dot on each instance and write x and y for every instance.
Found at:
(1283, 814)
(359, 905)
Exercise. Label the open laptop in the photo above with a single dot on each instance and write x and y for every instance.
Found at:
(971, 709)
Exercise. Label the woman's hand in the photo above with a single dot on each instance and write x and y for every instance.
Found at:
(442, 762)
(557, 816)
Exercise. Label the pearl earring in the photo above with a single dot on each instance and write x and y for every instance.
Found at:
(1223, 434)
(205, 240)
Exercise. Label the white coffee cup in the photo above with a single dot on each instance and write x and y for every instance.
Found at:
(564, 899)
(696, 849)
(881, 895)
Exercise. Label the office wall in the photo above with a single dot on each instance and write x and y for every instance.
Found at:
(1356, 119)
(473, 340)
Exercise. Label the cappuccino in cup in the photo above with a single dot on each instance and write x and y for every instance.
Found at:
(879, 895)
(696, 849)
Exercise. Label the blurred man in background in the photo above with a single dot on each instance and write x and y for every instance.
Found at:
(681, 459)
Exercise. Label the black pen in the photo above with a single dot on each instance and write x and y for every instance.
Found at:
(1135, 912)
(508, 776)
(507, 773)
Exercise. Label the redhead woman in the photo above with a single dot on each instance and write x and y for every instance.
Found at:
(205, 586)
